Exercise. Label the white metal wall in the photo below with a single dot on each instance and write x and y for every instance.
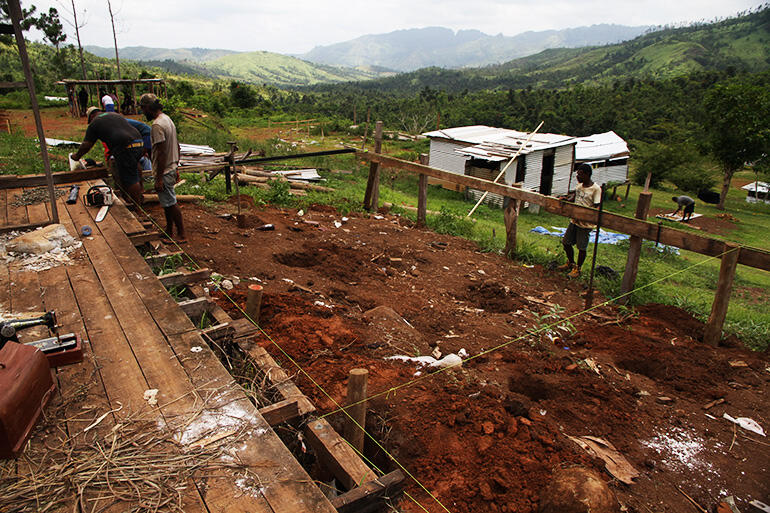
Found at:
(534, 165)
(562, 167)
(443, 156)
(602, 175)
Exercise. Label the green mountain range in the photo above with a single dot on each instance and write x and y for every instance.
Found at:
(257, 67)
(408, 50)
(740, 44)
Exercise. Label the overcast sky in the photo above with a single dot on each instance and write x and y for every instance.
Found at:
(296, 26)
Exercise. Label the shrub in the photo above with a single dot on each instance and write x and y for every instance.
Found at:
(450, 223)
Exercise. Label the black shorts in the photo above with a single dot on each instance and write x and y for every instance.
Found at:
(575, 235)
(689, 209)
(127, 164)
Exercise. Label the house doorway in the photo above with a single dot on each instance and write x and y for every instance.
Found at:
(546, 174)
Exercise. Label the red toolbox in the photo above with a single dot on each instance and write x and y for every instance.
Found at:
(26, 386)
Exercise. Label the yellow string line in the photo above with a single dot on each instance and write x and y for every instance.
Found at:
(423, 377)
(294, 362)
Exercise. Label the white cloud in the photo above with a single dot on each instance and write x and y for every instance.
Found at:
(299, 25)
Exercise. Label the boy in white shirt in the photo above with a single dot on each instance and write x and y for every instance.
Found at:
(587, 194)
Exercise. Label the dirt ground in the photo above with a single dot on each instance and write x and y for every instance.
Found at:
(488, 436)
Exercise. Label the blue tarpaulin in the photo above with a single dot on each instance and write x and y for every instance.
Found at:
(605, 237)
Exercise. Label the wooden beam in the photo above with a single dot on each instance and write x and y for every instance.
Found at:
(12, 85)
(142, 238)
(185, 278)
(181, 198)
(713, 331)
(17, 15)
(422, 200)
(752, 257)
(18, 227)
(195, 307)
(634, 250)
(218, 331)
(159, 259)
(281, 412)
(334, 453)
(371, 196)
(367, 497)
(16, 181)
(277, 376)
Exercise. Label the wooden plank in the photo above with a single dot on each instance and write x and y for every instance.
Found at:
(195, 307)
(285, 490)
(38, 213)
(3, 208)
(17, 216)
(284, 483)
(368, 497)
(218, 331)
(15, 181)
(185, 278)
(280, 412)
(143, 238)
(26, 302)
(752, 257)
(160, 258)
(127, 221)
(713, 330)
(277, 376)
(337, 455)
(634, 250)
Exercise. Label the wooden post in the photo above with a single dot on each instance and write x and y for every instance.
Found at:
(356, 393)
(713, 331)
(16, 17)
(254, 302)
(422, 194)
(366, 128)
(634, 250)
(511, 218)
(133, 97)
(371, 196)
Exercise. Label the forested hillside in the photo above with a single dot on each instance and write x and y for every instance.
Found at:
(737, 44)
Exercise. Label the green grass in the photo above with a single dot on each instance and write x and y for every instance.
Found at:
(21, 155)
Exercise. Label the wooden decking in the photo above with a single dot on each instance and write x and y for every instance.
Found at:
(140, 339)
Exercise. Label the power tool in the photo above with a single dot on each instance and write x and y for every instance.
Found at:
(99, 196)
(59, 349)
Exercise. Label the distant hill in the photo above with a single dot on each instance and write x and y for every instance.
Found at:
(282, 70)
(257, 67)
(145, 53)
(741, 44)
(408, 50)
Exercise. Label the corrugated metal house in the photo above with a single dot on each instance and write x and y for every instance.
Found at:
(608, 155)
(543, 165)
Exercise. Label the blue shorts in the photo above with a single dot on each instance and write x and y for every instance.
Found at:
(110, 107)
(167, 197)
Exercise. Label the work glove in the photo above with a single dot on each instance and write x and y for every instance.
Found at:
(75, 165)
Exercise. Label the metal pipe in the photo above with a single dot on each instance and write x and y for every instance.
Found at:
(297, 156)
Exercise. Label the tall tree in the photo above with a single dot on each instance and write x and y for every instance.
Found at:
(52, 28)
(77, 25)
(738, 125)
(28, 19)
(114, 38)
